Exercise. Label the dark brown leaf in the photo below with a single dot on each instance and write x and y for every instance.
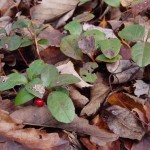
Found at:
(124, 124)
(42, 117)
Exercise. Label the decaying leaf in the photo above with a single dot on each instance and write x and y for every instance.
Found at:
(144, 144)
(78, 99)
(141, 88)
(68, 68)
(124, 124)
(124, 70)
(42, 117)
(31, 138)
(98, 94)
(50, 9)
(131, 102)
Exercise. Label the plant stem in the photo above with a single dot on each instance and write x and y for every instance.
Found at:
(23, 58)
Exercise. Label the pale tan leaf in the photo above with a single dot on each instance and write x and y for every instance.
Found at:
(68, 68)
(42, 117)
(98, 94)
(31, 138)
(50, 9)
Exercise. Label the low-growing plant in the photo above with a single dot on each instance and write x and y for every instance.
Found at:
(13, 40)
(41, 80)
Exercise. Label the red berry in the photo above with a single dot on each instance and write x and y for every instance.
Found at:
(39, 102)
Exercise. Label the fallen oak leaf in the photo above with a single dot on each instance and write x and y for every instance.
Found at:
(42, 117)
(123, 123)
(31, 138)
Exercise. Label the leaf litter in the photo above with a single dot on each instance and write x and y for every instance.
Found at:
(108, 115)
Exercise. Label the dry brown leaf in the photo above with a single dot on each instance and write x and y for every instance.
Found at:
(51, 35)
(128, 100)
(32, 138)
(6, 5)
(86, 142)
(98, 94)
(124, 70)
(50, 9)
(52, 55)
(68, 68)
(124, 124)
(144, 144)
(42, 117)
(78, 99)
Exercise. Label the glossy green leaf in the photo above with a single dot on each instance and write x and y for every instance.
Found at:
(22, 97)
(140, 53)
(26, 42)
(114, 3)
(74, 27)
(43, 42)
(69, 46)
(36, 87)
(61, 107)
(49, 74)
(105, 59)
(21, 24)
(110, 47)
(98, 35)
(86, 72)
(133, 33)
(35, 69)
(10, 81)
(65, 79)
(11, 42)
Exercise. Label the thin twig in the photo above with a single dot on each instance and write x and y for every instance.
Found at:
(23, 58)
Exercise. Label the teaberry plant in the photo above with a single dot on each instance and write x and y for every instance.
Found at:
(13, 39)
(98, 48)
(41, 80)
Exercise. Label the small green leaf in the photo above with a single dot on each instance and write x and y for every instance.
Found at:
(43, 42)
(114, 3)
(36, 88)
(10, 81)
(87, 72)
(84, 17)
(61, 107)
(140, 53)
(69, 46)
(65, 79)
(2, 30)
(21, 24)
(133, 33)
(61, 89)
(105, 59)
(11, 42)
(110, 47)
(26, 42)
(22, 97)
(49, 74)
(35, 69)
(74, 27)
(98, 35)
